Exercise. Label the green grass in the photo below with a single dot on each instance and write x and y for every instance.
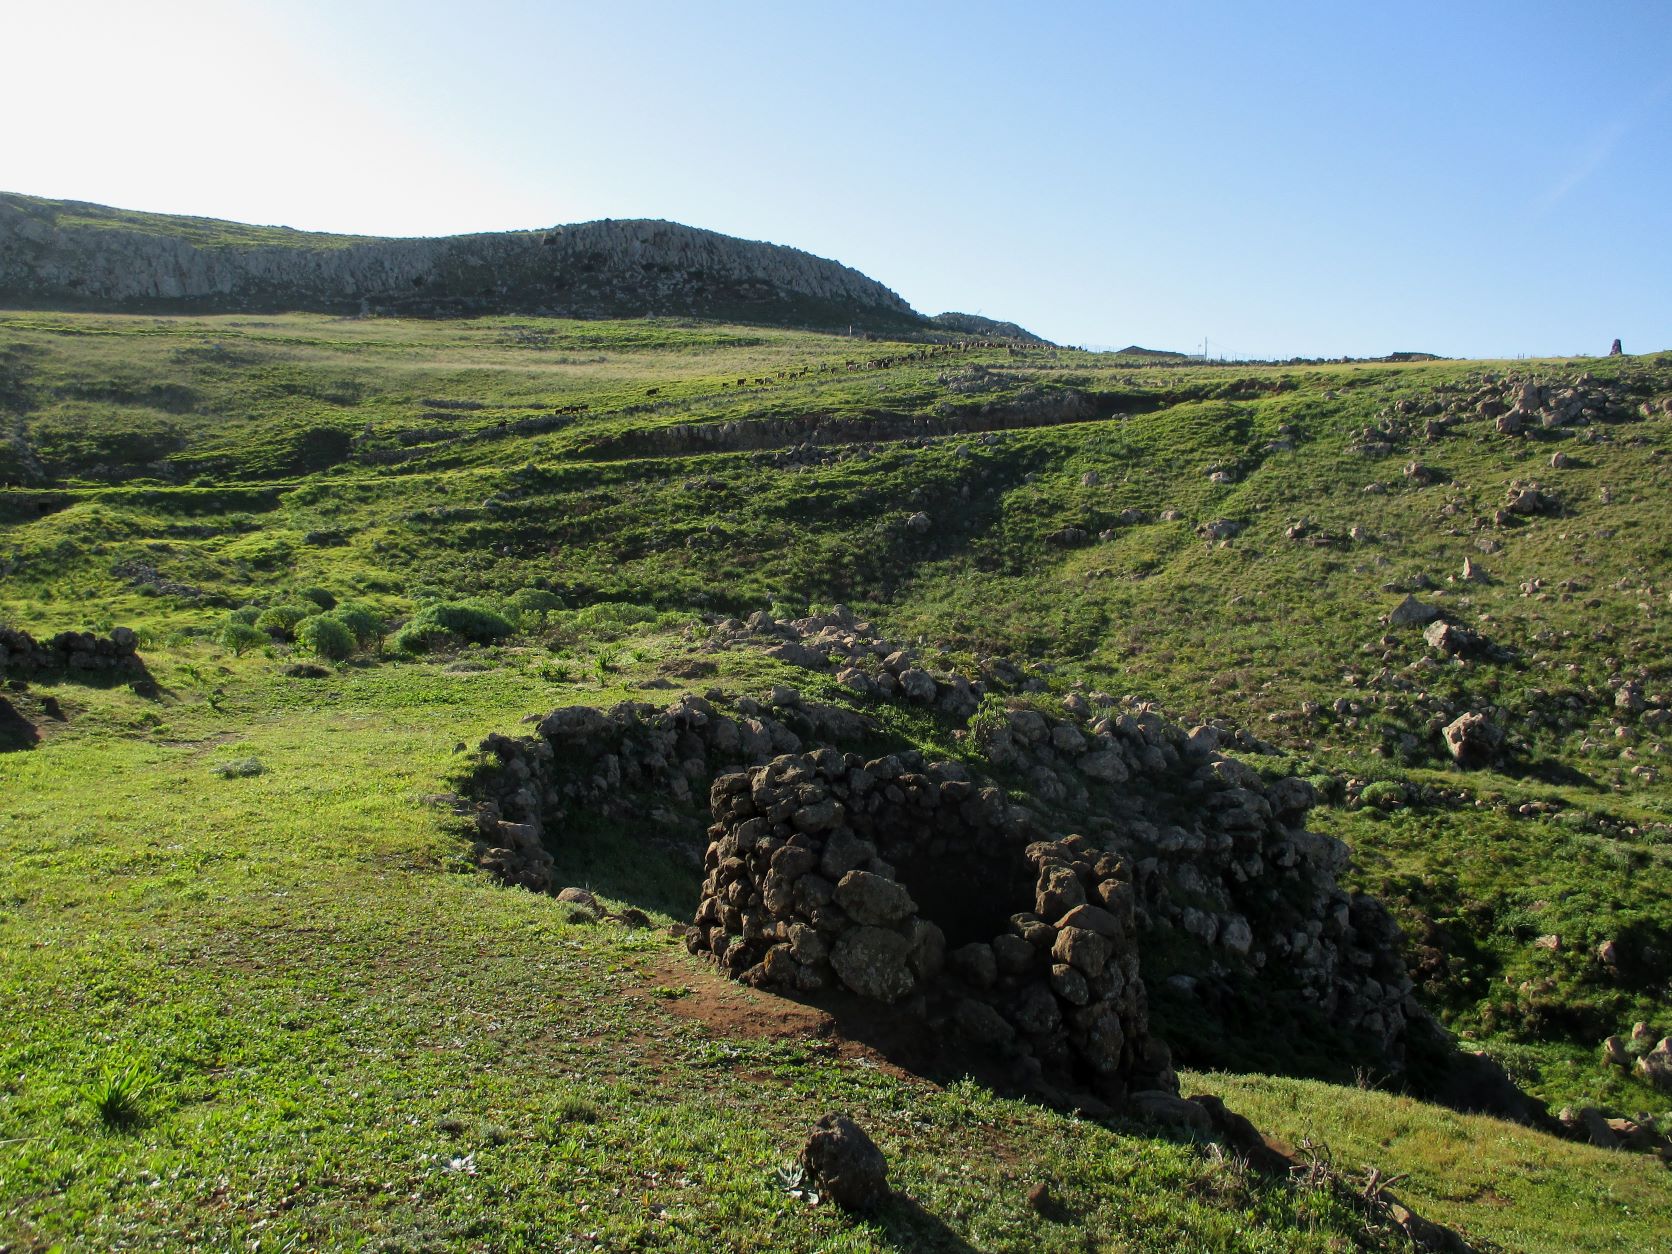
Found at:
(352, 1037)
(340, 1020)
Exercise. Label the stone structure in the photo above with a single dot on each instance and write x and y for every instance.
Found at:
(825, 869)
(956, 895)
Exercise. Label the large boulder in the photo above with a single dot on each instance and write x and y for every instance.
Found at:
(918, 685)
(1656, 1066)
(873, 899)
(1472, 739)
(847, 1164)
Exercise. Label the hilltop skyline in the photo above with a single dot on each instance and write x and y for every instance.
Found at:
(1311, 183)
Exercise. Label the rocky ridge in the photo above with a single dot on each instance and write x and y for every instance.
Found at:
(67, 254)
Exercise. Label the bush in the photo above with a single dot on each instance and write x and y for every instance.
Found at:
(416, 638)
(367, 626)
(326, 637)
(534, 601)
(281, 620)
(529, 607)
(443, 623)
(246, 614)
(240, 637)
(320, 597)
(469, 619)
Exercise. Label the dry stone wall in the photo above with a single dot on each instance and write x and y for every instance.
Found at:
(72, 652)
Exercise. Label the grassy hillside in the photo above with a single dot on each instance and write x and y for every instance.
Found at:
(200, 232)
(350, 1033)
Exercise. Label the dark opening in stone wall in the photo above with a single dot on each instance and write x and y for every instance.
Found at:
(970, 897)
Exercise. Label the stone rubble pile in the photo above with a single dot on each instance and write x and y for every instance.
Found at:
(1517, 402)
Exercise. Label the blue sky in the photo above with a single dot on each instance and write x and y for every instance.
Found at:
(1484, 179)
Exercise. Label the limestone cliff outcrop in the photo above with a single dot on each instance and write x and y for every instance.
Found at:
(74, 255)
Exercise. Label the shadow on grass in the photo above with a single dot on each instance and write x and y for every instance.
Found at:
(1548, 771)
(143, 683)
(638, 861)
(16, 732)
(906, 1225)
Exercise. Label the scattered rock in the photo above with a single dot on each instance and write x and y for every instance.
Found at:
(1656, 1066)
(1452, 640)
(1411, 612)
(847, 1164)
(1528, 499)
(1220, 530)
(1421, 474)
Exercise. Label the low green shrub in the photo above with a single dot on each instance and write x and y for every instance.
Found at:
(319, 596)
(416, 638)
(281, 620)
(326, 637)
(368, 627)
(528, 608)
(443, 623)
(1384, 794)
(246, 614)
(240, 637)
(533, 601)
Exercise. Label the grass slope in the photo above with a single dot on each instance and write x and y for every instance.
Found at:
(334, 1009)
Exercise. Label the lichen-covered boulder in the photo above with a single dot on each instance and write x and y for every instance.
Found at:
(874, 962)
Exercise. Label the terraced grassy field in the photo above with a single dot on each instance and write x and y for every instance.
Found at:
(350, 1035)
